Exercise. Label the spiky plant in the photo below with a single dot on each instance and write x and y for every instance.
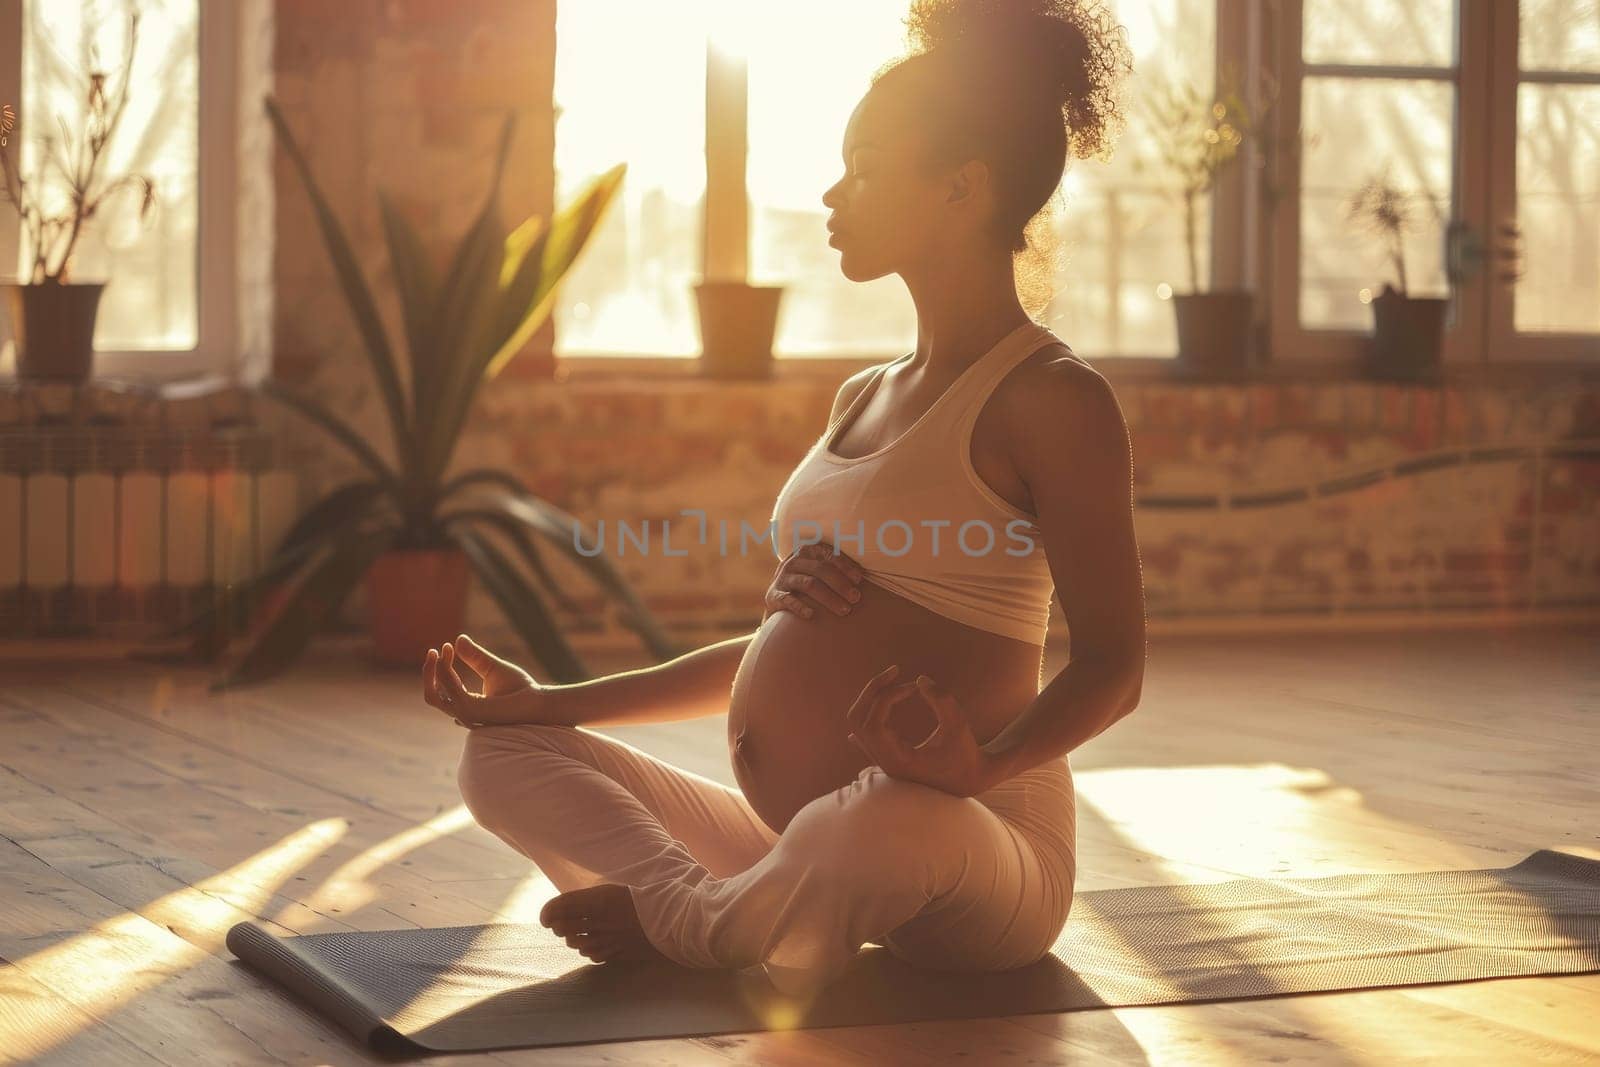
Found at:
(1197, 134)
(1384, 210)
(460, 331)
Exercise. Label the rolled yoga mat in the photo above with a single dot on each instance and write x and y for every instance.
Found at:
(518, 985)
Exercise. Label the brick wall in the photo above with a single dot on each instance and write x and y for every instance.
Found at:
(1473, 501)
(408, 95)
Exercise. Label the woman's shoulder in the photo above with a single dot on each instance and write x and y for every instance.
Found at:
(1054, 386)
(851, 388)
(1051, 374)
(1058, 354)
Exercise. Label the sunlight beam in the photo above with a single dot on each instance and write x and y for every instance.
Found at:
(101, 970)
(349, 888)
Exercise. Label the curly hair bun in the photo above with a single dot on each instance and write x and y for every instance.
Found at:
(1070, 52)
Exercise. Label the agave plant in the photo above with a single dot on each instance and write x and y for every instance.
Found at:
(461, 330)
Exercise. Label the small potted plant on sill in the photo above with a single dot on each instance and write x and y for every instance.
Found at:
(52, 314)
(1198, 134)
(410, 531)
(1408, 331)
(738, 323)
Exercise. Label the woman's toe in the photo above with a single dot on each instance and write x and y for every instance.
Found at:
(568, 906)
(600, 949)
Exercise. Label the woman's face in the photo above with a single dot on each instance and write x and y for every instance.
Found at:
(887, 213)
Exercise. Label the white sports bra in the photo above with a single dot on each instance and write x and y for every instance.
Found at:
(916, 515)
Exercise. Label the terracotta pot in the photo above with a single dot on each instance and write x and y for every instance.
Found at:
(418, 600)
(737, 325)
(1214, 332)
(54, 327)
(1407, 334)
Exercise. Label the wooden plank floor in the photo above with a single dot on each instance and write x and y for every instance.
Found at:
(142, 816)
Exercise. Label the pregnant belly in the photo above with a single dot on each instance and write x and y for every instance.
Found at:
(786, 716)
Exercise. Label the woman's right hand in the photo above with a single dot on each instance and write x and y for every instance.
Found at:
(815, 575)
(510, 694)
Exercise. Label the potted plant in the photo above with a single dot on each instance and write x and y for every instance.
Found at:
(738, 323)
(52, 315)
(1197, 134)
(411, 531)
(1407, 330)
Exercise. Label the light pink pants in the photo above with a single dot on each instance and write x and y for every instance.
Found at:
(948, 882)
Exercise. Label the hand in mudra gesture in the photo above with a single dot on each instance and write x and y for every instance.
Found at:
(949, 758)
(510, 694)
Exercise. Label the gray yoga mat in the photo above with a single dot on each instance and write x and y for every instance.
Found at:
(515, 985)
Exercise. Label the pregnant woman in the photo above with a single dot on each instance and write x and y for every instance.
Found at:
(903, 779)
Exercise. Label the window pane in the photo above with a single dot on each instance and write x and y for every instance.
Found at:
(1130, 243)
(1558, 207)
(1409, 32)
(1363, 124)
(797, 115)
(1122, 226)
(1559, 35)
(630, 87)
(150, 301)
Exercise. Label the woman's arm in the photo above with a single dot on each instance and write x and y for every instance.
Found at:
(694, 685)
(1072, 448)
(1073, 451)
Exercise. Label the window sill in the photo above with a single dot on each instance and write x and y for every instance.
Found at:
(806, 371)
(1136, 369)
(153, 388)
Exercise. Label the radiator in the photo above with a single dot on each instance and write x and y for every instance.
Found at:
(122, 509)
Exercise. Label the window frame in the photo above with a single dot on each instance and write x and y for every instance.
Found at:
(1343, 348)
(1479, 333)
(1505, 76)
(217, 351)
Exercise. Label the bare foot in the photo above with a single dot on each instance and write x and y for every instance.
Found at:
(600, 922)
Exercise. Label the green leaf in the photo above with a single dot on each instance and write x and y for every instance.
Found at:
(518, 242)
(468, 294)
(343, 505)
(528, 298)
(324, 586)
(521, 606)
(232, 606)
(514, 529)
(357, 294)
(340, 431)
(483, 476)
(520, 310)
(566, 532)
(414, 281)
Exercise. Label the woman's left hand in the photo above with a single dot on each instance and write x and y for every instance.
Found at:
(949, 758)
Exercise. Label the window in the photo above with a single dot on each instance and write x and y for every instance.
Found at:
(1551, 184)
(1122, 229)
(778, 103)
(1489, 112)
(630, 84)
(797, 114)
(169, 308)
(1382, 77)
